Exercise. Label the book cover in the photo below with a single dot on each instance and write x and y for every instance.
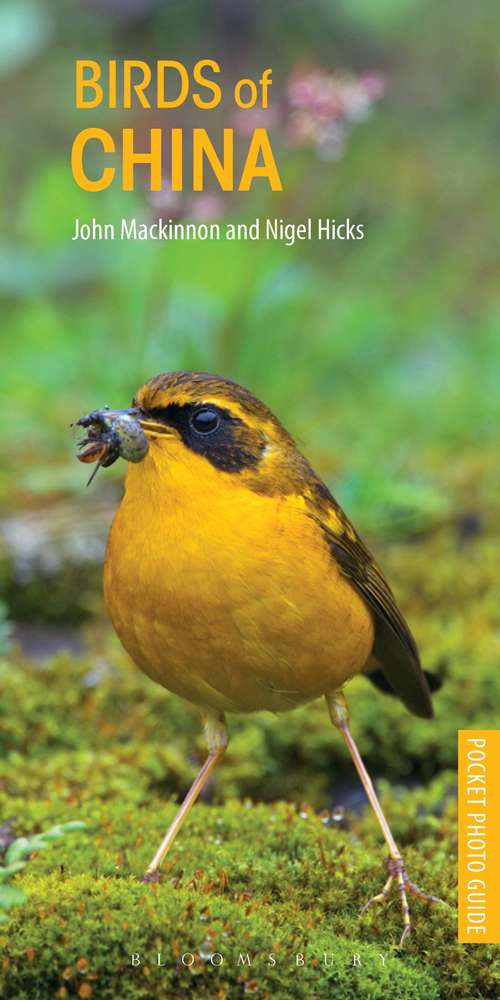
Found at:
(249, 500)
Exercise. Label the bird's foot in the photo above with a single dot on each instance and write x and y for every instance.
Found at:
(405, 887)
(151, 876)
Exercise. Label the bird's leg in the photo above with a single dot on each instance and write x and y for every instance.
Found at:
(216, 735)
(339, 714)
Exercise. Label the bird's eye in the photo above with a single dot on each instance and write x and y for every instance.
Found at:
(205, 421)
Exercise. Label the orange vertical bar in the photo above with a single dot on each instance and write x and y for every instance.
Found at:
(479, 836)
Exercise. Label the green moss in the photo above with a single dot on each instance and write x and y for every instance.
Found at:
(92, 739)
(242, 878)
(69, 595)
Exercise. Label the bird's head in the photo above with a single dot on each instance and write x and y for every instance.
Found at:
(203, 419)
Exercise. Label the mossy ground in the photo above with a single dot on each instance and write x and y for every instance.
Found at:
(243, 878)
(93, 739)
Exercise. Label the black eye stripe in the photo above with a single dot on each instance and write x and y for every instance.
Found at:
(230, 444)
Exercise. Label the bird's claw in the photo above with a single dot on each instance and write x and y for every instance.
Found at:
(151, 876)
(397, 871)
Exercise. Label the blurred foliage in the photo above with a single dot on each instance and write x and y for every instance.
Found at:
(6, 629)
(381, 356)
(17, 855)
(25, 29)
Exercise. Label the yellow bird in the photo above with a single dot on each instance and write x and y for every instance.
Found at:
(235, 580)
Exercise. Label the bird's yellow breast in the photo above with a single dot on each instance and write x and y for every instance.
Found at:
(227, 597)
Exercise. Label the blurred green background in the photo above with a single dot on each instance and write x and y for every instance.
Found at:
(382, 356)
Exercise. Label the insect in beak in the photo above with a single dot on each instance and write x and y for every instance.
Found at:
(111, 434)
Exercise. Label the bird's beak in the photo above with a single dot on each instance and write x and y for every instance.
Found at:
(112, 418)
(151, 427)
(106, 418)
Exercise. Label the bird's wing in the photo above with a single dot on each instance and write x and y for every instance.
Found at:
(394, 647)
